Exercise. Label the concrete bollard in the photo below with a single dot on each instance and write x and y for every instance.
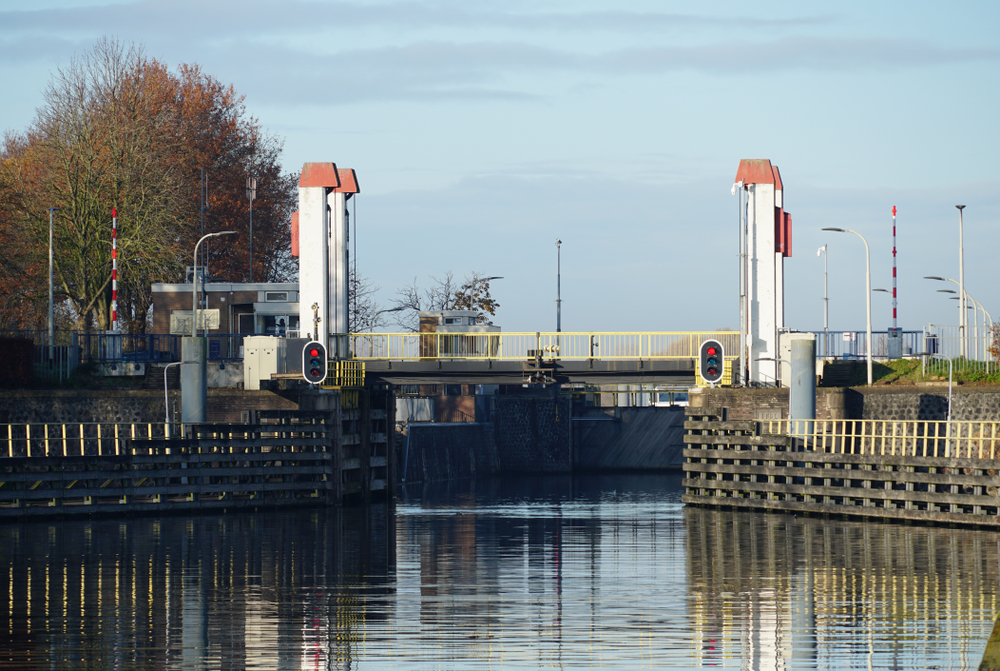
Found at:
(802, 391)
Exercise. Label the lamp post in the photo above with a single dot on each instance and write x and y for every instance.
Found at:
(964, 293)
(868, 292)
(166, 394)
(52, 349)
(194, 384)
(375, 324)
(251, 194)
(194, 285)
(975, 314)
(961, 284)
(558, 285)
(822, 251)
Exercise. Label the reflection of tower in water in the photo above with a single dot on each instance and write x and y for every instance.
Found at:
(779, 591)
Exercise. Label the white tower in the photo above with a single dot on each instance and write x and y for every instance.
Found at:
(768, 235)
(324, 257)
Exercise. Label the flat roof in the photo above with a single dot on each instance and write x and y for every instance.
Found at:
(164, 288)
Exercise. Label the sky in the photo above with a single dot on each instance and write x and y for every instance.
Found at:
(481, 132)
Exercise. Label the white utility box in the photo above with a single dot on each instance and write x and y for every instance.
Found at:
(264, 356)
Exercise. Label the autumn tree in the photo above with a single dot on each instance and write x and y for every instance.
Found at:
(119, 130)
(97, 143)
(230, 147)
(23, 275)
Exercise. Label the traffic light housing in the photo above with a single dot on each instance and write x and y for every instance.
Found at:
(314, 362)
(711, 361)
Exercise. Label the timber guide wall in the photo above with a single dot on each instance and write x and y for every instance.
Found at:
(279, 458)
(932, 471)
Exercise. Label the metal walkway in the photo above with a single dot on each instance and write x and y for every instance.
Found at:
(539, 357)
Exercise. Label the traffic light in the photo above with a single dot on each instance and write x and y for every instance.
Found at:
(711, 361)
(314, 362)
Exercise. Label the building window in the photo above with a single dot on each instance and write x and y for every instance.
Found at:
(409, 389)
(276, 296)
(453, 390)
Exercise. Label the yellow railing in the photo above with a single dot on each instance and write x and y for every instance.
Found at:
(919, 438)
(75, 438)
(549, 345)
(346, 374)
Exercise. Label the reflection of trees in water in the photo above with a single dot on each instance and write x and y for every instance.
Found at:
(778, 587)
(223, 589)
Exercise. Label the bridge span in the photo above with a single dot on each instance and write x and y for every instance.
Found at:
(534, 357)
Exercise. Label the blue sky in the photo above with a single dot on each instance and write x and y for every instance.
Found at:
(481, 132)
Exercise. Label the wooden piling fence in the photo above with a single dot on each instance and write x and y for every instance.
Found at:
(285, 458)
(940, 472)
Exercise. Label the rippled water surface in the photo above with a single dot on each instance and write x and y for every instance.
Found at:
(574, 573)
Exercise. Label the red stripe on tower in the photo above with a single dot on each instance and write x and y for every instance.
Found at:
(114, 268)
(893, 266)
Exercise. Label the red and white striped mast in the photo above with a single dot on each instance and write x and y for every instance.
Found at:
(893, 266)
(114, 269)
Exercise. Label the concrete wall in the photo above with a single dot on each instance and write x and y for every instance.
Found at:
(448, 451)
(928, 401)
(969, 404)
(134, 406)
(629, 438)
(533, 433)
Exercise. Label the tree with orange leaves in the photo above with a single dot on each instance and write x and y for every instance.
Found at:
(119, 130)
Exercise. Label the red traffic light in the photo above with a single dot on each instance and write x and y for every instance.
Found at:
(314, 364)
(711, 361)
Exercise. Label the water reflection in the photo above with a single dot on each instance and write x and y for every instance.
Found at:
(561, 572)
(779, 590)
(280, 590)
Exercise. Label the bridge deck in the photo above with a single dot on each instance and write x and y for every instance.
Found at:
(514, 358)
(516, 372)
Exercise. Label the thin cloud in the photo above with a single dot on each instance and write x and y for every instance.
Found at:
(196, 18)
(495, 70)
(828, 54)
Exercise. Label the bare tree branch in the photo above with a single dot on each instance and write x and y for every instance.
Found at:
(445, 294)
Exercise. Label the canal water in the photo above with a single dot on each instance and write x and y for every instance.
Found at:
(571, 573)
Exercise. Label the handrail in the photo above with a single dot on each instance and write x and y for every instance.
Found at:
(547, 346)
(913, 438)
(64, 439)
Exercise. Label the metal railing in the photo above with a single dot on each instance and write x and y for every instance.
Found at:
(72, 348)
(912, 438)
(854, 344)
(76, 439)
(969, 354)
(548, 345)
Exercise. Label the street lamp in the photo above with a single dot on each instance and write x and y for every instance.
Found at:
(883, 291)
(962, 292)
(374, 321)
(558, 285)
(251, 194)
(166, 394)
(194, 384)
(868, 292)
(975, 315)
(961, 283)
(194, 282)
(822, 251)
